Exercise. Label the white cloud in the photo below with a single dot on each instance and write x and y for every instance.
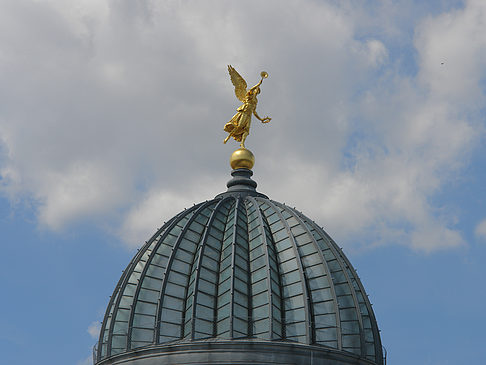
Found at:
(480, 230)
(113, 111)
(94, 330)
(87, 361)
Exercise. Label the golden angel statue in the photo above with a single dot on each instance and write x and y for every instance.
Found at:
(239, 126)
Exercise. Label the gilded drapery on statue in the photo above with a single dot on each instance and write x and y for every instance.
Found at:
(239, 126)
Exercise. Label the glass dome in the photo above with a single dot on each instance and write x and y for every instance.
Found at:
(240, 268)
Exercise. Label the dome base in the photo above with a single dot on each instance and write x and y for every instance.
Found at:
(239, 352)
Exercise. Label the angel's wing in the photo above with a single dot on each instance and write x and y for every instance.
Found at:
(239, 83)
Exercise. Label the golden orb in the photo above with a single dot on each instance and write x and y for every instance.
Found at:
(263, 74)
(242, 159)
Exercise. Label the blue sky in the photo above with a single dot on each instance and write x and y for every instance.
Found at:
(111, 116)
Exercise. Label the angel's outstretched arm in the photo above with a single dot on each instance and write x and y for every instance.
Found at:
(264, 120)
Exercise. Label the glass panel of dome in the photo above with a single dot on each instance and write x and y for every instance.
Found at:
(205, 299)
(297, 229)
(137, 344)
(261, 326)
(240, 267)
(145, 308)
(292, 289)
(171, 315)
(326, 334)
(205, 285)
(346, 301)
(314, 259)
(203, 312)
(212, 241)
(348, 314)
(197, 227)
(126, 301)
(144, 335)
(240, 327)
(294, 315)
(241, 298)
(211, 253)
(272, 218)
(278, 235)
(177, 278)
(117, 350)
(290, 277)
(342, 289)
(319, 282)
(191, 236)
(289, 265)
(160, 260)
(240, 279)
(180, 266)
(122, 314)
(207, 275)
(163, 339)
(226, 261)
(224, 298)
(254, 233)
(171, 302)
(187, 245)
(260, 312)
(152, 283)
(366, 322)
(257, 251)
(259, 262)
(287, 254)
(320, 295)
(351, 341)
(324, 307)
(259, 286)
(134, 277)
(217, 223)
(155, 271)
(143, 320)
(175, 290)
(184, 256)
(350, 327)
(368, 335)
(294, 302)
(338, 277)
(283, 244)
(306, 249)
(258, 274)
(170, 329)
(325, 320)
(171, 238)
(201, 335)
(295, 329)
(317, 270)
(260, 299)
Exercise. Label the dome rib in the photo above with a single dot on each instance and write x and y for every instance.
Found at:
(107, 329)
(303, 279)
(272, 266)
(374, 340)
(239, 317)
(328, 275)
(170, 275)
(198, 268)
(370, 345)
(159, 240)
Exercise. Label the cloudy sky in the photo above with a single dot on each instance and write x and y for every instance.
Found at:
(111, 116)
